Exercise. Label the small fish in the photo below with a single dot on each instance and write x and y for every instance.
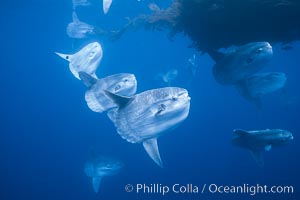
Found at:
(97, 101)
(167, 77)
(261, 140)
(77, 29)
(106, 5)
(144, 117)
(255, 86)
(99, 167)
(192, 66)
(86, 59)
(245, 61)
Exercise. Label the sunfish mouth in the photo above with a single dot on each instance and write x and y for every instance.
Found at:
(184, 95)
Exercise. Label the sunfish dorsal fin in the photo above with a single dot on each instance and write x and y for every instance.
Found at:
(151, 148)
(67, 57)
(96, 183)
(240, 132)
(216, 55)
(257, 155)
(87, 79)
(75, 17)
(121, 101)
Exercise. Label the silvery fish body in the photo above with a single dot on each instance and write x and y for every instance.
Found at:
(260, 84)
(145, 116)
(86, 59)
(77, 29)
(100, 167)
(97, 101)
(261, 140)
(245, 61)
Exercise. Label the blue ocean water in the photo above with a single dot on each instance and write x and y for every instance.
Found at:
(47, 131)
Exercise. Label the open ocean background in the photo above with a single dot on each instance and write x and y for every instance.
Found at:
(47, 131)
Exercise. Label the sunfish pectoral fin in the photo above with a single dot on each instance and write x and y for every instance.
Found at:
(240, 132)
(121, 101)
(96, 183)
(64, 56)
(268, 147)
(87, 79)
(151, 148)
(257, 155)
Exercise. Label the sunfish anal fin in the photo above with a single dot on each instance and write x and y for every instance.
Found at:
(121, 101)
(240, 132)
(64, 56)
(268, 147)
(151, 148)
(257, 155)
(96, 183)
(87, 79)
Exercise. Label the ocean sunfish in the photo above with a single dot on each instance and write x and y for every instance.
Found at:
(260, 140)
(99, 167)
(145, 116)
(106, 5)
(246, 60)
(77, 29)
(77, 3)
(257, 85)
(86, 59)
(121, 84)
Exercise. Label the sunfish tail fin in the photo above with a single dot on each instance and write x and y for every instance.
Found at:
(64, 56)
(96, 183)
(87, 79)
(257, 155)
(151, 148)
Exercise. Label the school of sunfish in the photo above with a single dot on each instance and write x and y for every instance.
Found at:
(143, 117)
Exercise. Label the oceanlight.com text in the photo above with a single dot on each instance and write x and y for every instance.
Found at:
(164, 189)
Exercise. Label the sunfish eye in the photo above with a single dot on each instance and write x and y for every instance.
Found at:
(92, 54)
(174, 98)
(117, 87)
(126, 80)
